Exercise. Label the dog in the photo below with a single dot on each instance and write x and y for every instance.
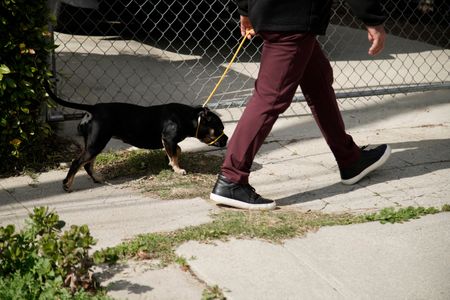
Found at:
(148, 127)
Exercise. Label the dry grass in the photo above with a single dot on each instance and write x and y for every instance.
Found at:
(149, 172)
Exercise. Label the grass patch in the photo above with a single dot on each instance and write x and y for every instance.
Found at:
(148, 170)
(274, 226)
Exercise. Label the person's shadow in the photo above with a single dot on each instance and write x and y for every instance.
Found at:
(410, 160)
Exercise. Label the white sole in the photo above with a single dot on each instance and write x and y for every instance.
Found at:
(240, 204)
(372, 167)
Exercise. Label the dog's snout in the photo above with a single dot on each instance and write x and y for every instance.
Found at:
(225, 141)
(222, 142)
(217, 141)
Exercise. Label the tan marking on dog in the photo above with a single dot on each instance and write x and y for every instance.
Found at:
(173, 159)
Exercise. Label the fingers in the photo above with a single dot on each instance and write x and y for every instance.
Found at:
(249, 33)
(377, 36)
(246, 27)
(377, 46)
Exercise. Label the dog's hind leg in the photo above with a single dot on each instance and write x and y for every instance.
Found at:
(173, 153)
(86, 160)
(89, 167)
(74, 167)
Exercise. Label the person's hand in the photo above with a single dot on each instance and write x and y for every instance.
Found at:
(246, 27)
(376, 36)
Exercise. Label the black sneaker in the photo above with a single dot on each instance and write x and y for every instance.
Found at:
(371, 158)
(239, 195)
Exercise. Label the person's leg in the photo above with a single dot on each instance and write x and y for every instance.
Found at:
(354, 163)
(316, 85)
(283, 61)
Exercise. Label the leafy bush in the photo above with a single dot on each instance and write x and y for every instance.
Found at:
(39, 261)
(25, 46)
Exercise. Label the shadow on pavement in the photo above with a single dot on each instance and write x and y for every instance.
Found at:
(386, 173)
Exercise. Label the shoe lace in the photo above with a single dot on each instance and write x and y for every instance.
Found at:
(252, 191)
(368, 147)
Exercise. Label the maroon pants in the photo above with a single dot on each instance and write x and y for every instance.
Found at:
(287, 61)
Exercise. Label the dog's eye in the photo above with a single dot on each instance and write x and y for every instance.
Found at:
(211, 132)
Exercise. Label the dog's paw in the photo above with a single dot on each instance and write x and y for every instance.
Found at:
(67, 188)
(98, 179)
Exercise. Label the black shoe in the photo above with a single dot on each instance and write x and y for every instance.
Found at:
(371, 158)
(239, 195)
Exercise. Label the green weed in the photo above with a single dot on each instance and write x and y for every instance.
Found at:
(213, 293)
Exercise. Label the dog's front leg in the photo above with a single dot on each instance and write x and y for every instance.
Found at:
(173, 153)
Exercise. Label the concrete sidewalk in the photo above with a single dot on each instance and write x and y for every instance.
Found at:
(295, 167)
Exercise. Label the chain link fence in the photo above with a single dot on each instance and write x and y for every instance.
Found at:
(151, 52)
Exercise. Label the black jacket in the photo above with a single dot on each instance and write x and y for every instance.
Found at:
(304, 15)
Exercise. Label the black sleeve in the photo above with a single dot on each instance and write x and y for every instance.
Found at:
(368, 11)
(242, 7)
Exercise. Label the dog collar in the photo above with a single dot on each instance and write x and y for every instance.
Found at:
(198, 127)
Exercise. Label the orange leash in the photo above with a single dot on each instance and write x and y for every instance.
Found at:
(226, 70)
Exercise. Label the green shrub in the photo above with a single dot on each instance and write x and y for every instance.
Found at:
(38, 261)
(25, 45)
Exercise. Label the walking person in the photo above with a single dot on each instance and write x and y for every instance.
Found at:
(291, 57)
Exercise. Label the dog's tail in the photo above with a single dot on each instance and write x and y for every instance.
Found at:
(65, 103)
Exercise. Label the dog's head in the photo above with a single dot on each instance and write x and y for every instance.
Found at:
(210, 129)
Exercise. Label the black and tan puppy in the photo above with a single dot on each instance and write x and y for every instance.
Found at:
(151, 127)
